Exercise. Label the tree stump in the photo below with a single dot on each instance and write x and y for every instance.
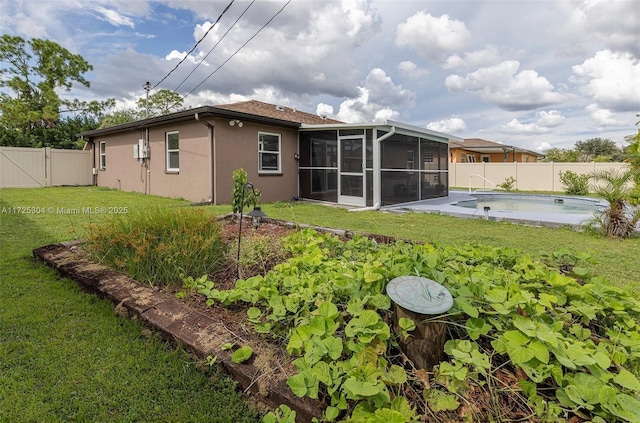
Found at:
(425, 345)
(420, 299)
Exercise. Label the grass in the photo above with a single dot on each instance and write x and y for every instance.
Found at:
(67, 356)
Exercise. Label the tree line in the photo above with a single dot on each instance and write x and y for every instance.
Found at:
(591, 150)
(32, 112)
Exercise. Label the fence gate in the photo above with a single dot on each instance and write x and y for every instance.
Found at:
(22, 167)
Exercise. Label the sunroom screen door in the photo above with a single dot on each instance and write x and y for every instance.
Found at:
(351, 159)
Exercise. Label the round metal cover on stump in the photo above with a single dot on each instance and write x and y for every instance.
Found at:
(420, 295)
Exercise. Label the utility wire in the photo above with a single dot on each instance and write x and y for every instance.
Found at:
(196, 44)
(216, 45)
(238, 50)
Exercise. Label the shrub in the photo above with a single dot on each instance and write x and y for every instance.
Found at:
(258, 254)
(509, 184)
(575, 184)
(620, 218)
(159, 246)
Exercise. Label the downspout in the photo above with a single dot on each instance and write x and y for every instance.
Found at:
(376, 169)
(212, 149)
(94, 172)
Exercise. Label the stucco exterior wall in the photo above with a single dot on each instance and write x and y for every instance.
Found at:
(234, 147)
(125, 172)
(238, 147)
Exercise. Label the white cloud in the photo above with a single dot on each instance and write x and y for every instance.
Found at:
(542, 125)
(550, 119)
(412, 71)
(612, 79)
(451, 126)
(432, 37)
(324, 110)
(307, 52)
(613, 24)
(544, 146)
(603, 117)
(378, 100)
(475, 59)
(516, 127)
(509, 89)
(113, 17)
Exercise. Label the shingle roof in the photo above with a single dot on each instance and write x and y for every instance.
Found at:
(477, 142)
(259, 108)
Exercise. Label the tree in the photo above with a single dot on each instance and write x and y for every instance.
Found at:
(33, 105)
(599, 149)
(619, 219)
(560, 155)
(161, 103)
(119, 117)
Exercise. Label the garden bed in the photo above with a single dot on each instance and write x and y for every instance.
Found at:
(517, 326)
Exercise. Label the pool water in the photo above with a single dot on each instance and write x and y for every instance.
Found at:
(535, 204)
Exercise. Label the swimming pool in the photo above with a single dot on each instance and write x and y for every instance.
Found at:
(531, 203)
(528, 209)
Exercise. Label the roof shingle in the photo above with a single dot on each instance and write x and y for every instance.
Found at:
(259, 108)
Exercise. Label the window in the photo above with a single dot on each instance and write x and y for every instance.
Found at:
(268, 152)
(486, 159)
(103, 155)
(173, 152)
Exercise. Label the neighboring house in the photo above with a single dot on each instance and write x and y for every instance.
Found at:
(286, 153)
(474, 150)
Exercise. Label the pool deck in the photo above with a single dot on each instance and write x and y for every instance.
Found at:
(446, 206)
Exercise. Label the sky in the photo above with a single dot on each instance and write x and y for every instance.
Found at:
(535, 74)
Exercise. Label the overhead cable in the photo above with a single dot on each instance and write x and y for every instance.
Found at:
(196, 44)
(216, 45)
(238, 50)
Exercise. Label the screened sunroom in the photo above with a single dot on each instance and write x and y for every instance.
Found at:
(372, 165)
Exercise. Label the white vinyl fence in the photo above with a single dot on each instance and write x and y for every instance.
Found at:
(44, 167)
(528, 176)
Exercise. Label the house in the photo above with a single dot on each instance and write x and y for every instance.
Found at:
(287, 153)
(473, 150)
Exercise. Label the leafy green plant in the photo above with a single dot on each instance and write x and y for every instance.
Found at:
(576, 184)
(240, 191)
(509, 184)
(158, 246)
(282, 414)
(242, 354)
(511, 315)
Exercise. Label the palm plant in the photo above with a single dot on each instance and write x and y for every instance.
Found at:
(614, 186)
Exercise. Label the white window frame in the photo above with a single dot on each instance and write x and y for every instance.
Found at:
(168, 151)
(102, 154)
(278, 153)
(486, 156)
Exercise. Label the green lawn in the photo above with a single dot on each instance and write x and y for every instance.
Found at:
(66, 356)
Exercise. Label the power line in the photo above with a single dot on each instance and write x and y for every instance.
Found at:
(196, 44)
(238, 50)
(216, 45)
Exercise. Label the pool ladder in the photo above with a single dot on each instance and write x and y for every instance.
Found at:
(483, 178)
